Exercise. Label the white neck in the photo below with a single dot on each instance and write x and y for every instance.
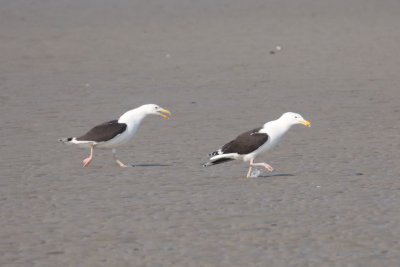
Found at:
(133, 116)
(276, 128)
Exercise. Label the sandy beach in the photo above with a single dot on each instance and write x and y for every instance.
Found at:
(333, 199)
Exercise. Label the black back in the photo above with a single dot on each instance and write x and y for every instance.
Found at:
(246, 142)
(104, 131)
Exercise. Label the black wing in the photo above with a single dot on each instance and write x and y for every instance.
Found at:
(103, 132)
(246, 142)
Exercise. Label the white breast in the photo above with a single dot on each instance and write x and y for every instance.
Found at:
(121, 139)
(275, 133)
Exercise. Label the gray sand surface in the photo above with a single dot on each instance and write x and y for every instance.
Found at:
(333, 200)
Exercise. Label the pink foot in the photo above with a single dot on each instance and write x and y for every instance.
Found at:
(269, 167)
(87, 161)
(121, 164)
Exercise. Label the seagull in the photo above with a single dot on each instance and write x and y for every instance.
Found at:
(115, 133)
(247, 146)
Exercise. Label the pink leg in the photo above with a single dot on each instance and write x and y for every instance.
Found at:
(120, 163)
(249, 172)
(263, 164)
(87, 161)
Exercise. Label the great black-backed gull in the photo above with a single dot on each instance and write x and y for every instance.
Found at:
(115, 133)
(249, 145)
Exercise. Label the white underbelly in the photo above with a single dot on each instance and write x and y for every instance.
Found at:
(119, 140)
(262, 149)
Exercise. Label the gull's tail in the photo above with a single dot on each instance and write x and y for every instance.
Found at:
(66, 140)
(217, 161)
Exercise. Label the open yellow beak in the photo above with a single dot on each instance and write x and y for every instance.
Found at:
(165, 113)
(306, 123)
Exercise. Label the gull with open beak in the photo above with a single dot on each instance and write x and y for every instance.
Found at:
(116, 133)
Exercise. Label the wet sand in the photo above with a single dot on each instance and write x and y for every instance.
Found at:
(335, 195)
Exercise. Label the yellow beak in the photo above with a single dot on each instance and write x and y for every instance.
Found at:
(165, 113)
(306, 123)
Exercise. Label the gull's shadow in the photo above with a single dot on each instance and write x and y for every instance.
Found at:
(150, 165)
(276, 175)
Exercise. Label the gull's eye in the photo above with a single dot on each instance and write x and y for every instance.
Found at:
(296, 117)
(156, 107)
